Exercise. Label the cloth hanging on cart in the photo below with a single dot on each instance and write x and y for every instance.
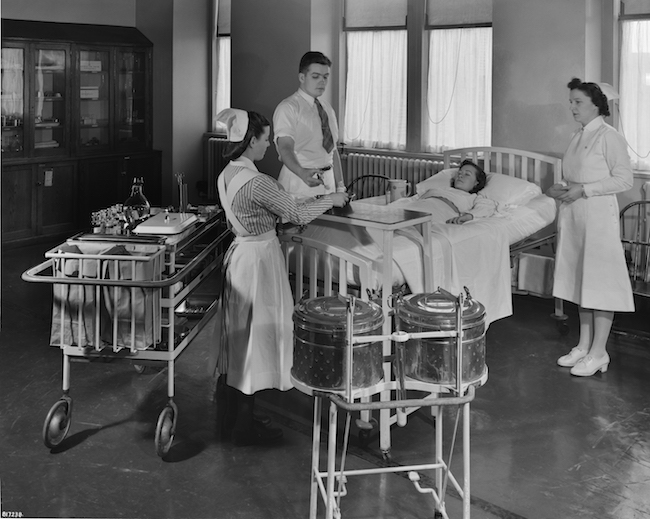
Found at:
(131, 309)
(73, 306)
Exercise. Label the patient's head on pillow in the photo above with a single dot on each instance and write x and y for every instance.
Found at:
(470, 177)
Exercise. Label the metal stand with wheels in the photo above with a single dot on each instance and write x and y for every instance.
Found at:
(101, 318)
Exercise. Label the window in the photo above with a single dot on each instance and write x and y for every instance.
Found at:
(438, 100)
(375, 94)
(634, 105)
(458, 111)
(221, 60)
(223, 74)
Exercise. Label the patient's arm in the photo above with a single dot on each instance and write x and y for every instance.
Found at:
(464, 217)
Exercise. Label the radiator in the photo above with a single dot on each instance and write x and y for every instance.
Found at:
(414, 170)
(213, 162)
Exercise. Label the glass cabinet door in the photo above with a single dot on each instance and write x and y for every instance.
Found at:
(131, 99)
(50, 104)
(94, 100)
(13, 102)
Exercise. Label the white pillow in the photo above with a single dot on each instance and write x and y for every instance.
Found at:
(440, 179)
(510, 190)
(500, 188)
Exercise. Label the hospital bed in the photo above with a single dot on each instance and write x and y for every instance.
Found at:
(345, 254)
(477, 255)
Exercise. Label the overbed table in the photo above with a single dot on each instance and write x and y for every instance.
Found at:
(388, 219)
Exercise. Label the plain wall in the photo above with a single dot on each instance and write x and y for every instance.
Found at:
(538, 48)
(155, 19)
(191, 92)
(180, 32)
(267, 42)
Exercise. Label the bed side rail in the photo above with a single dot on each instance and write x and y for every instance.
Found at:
(319, 269)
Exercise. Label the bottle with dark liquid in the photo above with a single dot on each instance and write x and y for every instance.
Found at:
(136, 207)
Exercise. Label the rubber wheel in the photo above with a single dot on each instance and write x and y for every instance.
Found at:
(57, 423)
(165, 430)
(364, 438)
(365, 429)
(139, 368)
(563, 328)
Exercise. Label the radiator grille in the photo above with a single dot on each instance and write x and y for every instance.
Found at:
(414, 170)
(213, 162)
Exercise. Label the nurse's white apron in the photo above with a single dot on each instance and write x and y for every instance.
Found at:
(256, 349)
(590, 268)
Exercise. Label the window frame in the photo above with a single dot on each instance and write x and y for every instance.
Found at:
(417, 28)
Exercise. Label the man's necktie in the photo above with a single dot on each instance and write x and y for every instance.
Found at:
(328, 142)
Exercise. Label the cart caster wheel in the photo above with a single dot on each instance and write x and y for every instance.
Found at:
(365, 428)
(139, 368)
(165, 429)
(386, 456)
(563, 328)
(58, 421)
(364, 438)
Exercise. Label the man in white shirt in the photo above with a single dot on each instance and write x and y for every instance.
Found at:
(306, 131)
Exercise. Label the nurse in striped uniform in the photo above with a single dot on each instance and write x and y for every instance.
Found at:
(256, 339)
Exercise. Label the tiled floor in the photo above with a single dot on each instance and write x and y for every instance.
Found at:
(544, 444)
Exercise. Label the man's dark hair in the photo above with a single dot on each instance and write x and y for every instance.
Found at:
(313, 57)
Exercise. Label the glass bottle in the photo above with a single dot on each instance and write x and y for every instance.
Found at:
(136, 207)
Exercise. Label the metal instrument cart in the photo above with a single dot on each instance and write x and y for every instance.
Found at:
(122, 298)
(330, 483)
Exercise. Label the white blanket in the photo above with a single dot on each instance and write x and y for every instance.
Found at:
(473, 255)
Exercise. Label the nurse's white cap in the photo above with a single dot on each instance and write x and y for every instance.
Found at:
(236, 122)
(608, 90)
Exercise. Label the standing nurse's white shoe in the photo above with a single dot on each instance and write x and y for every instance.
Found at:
(590, 365)
(570, 359)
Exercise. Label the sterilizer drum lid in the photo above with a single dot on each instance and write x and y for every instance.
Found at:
(435, 307)
(330, 314)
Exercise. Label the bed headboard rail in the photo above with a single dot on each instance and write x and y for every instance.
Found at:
(543, 170)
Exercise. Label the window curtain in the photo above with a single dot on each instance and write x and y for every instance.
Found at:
(223, 73)
(634, 106)
(458, 106)
(375, 109)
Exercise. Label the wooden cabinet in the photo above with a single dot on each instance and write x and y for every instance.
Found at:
(39, 200)
(77, 104)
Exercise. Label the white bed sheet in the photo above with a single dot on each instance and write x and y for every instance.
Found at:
(473, 255)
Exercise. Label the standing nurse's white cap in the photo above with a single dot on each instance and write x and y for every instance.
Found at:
(236, 122)
(608, 90)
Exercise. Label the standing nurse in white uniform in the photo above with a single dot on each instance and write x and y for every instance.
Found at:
(590, 268)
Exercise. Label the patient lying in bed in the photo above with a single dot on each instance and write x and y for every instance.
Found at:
(464, 194)
(475, 255)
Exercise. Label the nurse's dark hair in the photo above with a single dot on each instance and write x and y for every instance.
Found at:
(312, 57)
(481, 177)
(594, 92)
(256, 124)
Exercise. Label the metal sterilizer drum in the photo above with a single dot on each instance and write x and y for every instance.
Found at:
(434, 359)
(320, 330)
